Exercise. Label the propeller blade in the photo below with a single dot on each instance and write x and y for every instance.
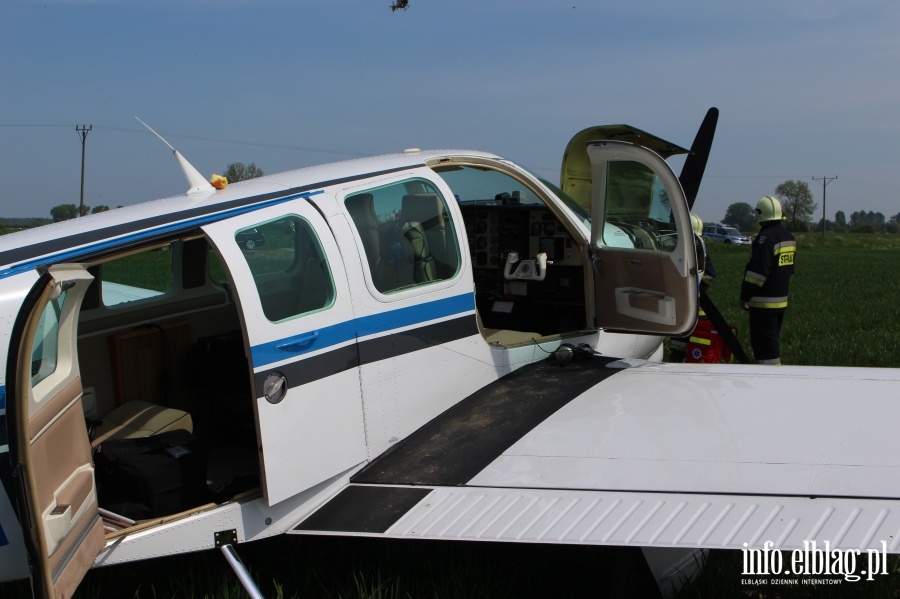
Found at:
(695, 163)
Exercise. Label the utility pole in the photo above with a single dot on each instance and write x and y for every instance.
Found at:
(825, 181)
(82, 131)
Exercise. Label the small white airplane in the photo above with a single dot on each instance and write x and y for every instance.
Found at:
(429, 345)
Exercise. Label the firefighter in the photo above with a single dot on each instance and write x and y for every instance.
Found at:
(764, 291)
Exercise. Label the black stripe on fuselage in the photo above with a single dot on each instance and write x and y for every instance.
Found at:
(311, 369)
(53, 246)
(457, 445)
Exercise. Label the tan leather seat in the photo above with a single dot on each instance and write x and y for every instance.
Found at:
(427, 209)
(362, 210)
(137, 418)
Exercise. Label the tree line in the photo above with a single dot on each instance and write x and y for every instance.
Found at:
(798, 209)
(234, 172)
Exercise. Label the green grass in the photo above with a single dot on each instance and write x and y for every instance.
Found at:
(844, 309)
(844, 312)
(145, 270)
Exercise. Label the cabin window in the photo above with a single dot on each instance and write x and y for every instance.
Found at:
(289, 267)
(138, 276)
(45, 352)
(217, 272)
(636, 209)
(407, 234)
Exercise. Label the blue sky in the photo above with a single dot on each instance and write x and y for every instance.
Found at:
(805, 88)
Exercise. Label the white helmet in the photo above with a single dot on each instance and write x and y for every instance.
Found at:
(768, 208)
(697, 224)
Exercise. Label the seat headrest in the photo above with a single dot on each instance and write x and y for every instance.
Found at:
(362, 209)
(424, 208)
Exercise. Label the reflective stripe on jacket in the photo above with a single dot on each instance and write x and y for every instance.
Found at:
(768, 273)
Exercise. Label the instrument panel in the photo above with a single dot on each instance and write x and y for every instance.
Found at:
(554, 305)
(494, 231)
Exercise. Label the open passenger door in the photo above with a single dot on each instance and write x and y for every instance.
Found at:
(52, 452)
(642, 247)
(297, 316)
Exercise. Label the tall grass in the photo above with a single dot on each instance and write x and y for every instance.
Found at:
(844, 308)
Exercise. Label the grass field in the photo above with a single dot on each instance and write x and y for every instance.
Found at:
(844, 312)
(844, 309)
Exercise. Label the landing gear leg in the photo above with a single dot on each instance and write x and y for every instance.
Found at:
(240, 571)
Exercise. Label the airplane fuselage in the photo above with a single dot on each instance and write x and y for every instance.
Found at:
(303, 322)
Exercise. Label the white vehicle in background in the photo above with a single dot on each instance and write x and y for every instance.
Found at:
(724, 234)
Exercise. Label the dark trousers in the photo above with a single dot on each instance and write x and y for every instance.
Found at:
(765, 333)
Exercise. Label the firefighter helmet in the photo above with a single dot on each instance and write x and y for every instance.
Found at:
(768, 208)
(697, 224)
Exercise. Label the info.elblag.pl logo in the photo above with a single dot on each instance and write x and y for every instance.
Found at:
(814, 560)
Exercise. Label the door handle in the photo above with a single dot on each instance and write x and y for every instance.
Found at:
(298, 343)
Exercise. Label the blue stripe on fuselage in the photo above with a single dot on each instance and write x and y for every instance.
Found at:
(268, 353)
(81, 252)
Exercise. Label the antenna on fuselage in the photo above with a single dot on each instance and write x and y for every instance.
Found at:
(198, 182)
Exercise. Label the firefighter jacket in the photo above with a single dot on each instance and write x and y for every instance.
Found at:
(768, 273)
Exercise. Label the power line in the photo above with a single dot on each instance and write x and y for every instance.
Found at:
(82, 131)
(825, 181)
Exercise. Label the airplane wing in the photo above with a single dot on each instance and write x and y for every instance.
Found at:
(616, 452)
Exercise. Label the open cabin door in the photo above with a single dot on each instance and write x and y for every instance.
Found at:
(643, 255)
(52, 447)
(293, 297)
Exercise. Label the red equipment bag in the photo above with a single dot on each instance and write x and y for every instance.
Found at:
(706, 346)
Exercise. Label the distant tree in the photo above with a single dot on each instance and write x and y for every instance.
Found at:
(840, 219)
(867, 220)
(64, 212)
(796, 203)
(829, 226)
(100, 208)
(238, 171)
(741, 215)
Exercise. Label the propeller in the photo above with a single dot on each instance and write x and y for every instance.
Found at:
(695, 163)
(691, 175)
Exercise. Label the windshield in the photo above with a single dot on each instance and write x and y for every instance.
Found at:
(732, 231)
(583, 215)
(473, 184)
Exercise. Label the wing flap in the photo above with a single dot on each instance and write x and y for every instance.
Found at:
(668, 520)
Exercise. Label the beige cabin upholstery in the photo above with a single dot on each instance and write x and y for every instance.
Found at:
(362, 210)
(505, 337)
(137, 418)
(427, 209)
